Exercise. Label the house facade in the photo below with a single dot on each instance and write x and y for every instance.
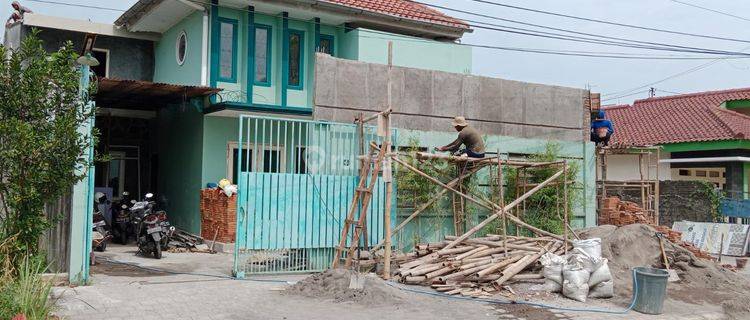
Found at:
(703, 136)
(193, 92)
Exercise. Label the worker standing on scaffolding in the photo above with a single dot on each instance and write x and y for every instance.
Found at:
(469, 137)
(601, 130)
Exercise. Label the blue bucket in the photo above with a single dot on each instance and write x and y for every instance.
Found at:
(650, 289)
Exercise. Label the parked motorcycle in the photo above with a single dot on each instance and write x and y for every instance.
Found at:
(154, 230)
(100, 233)
(122, 227)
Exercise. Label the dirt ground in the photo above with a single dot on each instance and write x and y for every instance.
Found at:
(196, 286)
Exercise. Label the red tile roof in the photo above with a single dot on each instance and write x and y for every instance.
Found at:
(682, 118)
(404, 9)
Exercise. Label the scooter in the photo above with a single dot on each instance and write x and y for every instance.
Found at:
(100, 233)
(154, 231)
(122, 227)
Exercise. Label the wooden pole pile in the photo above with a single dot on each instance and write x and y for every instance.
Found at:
(475, 267)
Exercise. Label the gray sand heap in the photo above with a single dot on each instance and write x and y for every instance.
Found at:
(702, 281)
(333, 285)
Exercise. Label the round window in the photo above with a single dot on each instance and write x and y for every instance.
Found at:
(181, 48)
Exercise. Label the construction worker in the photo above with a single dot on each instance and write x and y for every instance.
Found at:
(469, 137)
(601, 130)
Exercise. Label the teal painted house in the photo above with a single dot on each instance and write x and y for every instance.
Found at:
(261, 54)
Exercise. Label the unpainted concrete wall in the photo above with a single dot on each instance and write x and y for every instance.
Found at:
(428, 100)
(129, 59)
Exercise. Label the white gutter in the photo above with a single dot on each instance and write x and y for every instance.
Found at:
(204, 49)
(709, 159)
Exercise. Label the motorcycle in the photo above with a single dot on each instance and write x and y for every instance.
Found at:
(122, 227)
(153, 231)
(100, 233)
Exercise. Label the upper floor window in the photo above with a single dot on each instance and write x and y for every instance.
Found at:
(102, 55)
(227, 50)
(263, 55)
(326, 44)
(296, 41)
(181, 48)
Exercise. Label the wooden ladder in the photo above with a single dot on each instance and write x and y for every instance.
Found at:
(369, 169)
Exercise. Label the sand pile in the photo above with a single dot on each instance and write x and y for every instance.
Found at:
(701, 281)
(333, 285)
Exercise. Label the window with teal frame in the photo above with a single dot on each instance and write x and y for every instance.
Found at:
(326, 44)
(263, 38)
(227, 50)
(296, 42)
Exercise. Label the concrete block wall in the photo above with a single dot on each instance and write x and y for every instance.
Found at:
(428, 100)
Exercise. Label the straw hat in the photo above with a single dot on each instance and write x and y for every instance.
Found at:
(459, 122)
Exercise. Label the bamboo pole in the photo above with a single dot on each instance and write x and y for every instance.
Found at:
(497, 213)
(389, 183)
(501, 192)
(520, 266)
(427, 204)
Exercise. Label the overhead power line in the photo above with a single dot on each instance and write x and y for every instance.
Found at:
(78, 5)
(626, 44)
(591, 54)
(712, 10)
(610, 22)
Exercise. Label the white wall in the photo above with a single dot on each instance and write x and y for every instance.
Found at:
(623, 167)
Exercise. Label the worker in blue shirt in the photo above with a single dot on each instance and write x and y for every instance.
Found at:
(601, 130)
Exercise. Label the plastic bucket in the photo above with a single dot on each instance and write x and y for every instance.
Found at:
(592, 247)
(650, 289)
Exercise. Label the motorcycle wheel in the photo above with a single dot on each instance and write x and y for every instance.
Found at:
(101, 247)
(157, 251)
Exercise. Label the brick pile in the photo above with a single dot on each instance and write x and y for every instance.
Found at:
(617, 212)
(218, 211)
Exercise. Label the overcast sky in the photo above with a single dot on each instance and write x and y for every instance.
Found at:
(601, 75)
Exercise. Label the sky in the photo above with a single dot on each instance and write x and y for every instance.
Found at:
(606, 76)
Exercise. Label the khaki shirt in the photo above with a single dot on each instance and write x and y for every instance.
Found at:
(469, 137)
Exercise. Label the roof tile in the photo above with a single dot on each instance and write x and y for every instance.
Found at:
(404, 9)
(682, 118)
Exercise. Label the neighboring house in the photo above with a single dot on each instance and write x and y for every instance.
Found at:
(704, 136)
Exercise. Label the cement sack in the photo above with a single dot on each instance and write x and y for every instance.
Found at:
(581, 258)
(576, 282)
(600, 274)
(592, 247)
(552, 266)
(604, 289)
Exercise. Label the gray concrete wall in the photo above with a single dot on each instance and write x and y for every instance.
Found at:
(428, 100)
(130, 59)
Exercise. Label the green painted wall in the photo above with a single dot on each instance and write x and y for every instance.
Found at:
(180, 164)
(166, 68)
(706, 145)
(736, 104)
(413, 52)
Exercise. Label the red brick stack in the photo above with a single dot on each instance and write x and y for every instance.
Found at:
(218, 211)
(620, 213)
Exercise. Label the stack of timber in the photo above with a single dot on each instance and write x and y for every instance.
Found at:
(475, 267)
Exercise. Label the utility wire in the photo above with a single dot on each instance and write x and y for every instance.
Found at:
(610, 22)
(559, 29)
(712, 10)
(77, 5)
(527, 50)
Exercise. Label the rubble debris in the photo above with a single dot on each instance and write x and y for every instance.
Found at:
(182, 241)
(476, 267)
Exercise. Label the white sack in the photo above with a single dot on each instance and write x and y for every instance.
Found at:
(576, 282)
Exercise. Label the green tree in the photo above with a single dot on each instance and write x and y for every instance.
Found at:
(40, 147)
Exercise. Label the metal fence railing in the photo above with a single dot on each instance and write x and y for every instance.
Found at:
(296, 179)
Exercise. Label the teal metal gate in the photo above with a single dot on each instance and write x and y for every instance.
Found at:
(296, 179)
